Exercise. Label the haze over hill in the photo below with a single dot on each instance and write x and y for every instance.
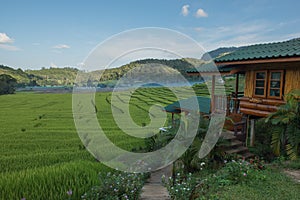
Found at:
(66, 76)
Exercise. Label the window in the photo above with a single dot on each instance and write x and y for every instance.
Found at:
(275, 84)
(260, 83)
(268, 84)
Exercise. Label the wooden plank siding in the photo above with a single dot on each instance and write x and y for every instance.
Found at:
(292, 80)
(249, 84)
(262, 106)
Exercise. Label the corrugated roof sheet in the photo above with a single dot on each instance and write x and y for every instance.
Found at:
(290, 48)
(188, 105)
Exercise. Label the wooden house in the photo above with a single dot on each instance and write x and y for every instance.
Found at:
(271, 71)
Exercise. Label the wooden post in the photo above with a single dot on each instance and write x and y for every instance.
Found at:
(173, 122)
(252, 132)
(213, 83)
(236, 93)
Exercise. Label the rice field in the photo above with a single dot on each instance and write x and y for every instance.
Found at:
(41, 155)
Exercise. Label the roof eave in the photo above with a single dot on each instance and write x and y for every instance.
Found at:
(257, 61)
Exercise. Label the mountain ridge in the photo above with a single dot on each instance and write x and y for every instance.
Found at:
(67, 75)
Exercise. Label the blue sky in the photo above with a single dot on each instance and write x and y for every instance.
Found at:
(35, 34)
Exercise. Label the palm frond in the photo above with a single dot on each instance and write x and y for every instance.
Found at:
(276, 141)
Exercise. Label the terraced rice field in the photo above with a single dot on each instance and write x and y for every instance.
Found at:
(41, 155)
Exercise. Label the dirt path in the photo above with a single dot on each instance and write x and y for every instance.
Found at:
(295, 174)
(154, 189)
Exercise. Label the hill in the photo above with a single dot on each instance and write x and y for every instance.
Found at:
(18, 74)
(54, 76)
(66, 76)
(218, 52)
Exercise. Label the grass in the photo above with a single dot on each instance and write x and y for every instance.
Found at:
(276, 185)
(41, 155)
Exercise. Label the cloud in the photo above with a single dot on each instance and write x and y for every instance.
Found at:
(4, 39)
(5, 42)
(198, 29)
(185, 10)
(237, 34)
(61, 46)
(201, 13)
(140, 44)
(53, 65)
(9, 47)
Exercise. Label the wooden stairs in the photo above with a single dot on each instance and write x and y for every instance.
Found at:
(235, 146)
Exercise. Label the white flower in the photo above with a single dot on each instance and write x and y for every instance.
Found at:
(203, 163)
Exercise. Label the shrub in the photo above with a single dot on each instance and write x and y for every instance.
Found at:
(181, 186)
(117, 185)
(234, 172)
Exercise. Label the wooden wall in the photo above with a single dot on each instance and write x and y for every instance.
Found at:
(249, 84)
(292, 80)
(262, 106)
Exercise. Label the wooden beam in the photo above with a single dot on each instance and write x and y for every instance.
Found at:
(207, 73)
(252, 132)
(256, 106)
(274, 102)
(266, 60)
(213, 85)
(258, 113)
(236, 93)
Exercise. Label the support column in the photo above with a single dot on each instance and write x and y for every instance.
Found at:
(252, 132)
(213, 83)
(236, 93)
(173, 122)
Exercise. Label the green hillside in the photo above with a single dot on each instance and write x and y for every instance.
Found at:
(54, 76)
(66, 76)
(19, 74)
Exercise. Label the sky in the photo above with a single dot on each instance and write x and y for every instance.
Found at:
(60, 33)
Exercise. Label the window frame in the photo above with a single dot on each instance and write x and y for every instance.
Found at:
(265, 84)
(269, 84)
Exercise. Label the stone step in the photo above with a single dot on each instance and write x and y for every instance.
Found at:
(235, 143)
(228, 135)
(237, 150)
(152, 191)
(246, 155)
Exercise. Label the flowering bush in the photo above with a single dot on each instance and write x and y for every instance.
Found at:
(181, 186)
(117, 186)
(234, 172)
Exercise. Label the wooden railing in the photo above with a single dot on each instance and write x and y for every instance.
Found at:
(228, 104)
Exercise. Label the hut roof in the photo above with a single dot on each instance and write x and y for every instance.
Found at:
(187, 105)
(286, 49)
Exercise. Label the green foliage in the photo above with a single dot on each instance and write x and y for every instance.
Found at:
(41, 154)
(116, 185)
(286, 133)
(7, 84)
(180, 187)
(201, 186)
(50, 182)
(263, 135)
(54, 76)
(266, 184)
(18, 74)
(293, 164)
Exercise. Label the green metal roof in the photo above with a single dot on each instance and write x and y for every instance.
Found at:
(188, 105)
(290, 48)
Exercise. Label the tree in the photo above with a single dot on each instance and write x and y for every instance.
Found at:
(7, 84)
(286, 133)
